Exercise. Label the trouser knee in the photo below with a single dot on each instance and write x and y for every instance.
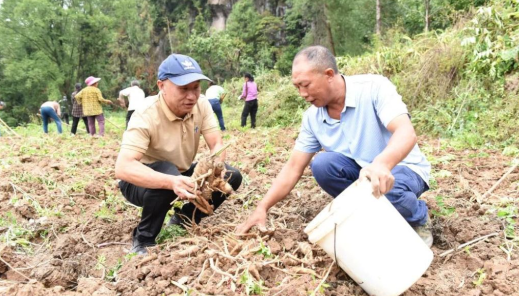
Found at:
(234, 176)
(334, 172)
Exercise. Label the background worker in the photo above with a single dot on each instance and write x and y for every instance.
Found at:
(50, 109)
(77, 111)
(158, 148)
(250, 94)
(216, 94)
(135, 97)
(64, 103)
(91, 98)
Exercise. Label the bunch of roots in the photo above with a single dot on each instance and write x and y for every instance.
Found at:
(208, 178)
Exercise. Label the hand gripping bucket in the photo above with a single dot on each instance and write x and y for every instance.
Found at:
(370, 241)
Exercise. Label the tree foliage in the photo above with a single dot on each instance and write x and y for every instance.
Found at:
(49, 45)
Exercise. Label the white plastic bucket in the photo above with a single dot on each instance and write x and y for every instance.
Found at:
(371, 241)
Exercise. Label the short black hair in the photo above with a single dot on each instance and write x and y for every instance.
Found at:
(320, 57)
(78, 86)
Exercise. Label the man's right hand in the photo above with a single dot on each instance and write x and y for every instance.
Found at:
(183, 186)
(257, 218)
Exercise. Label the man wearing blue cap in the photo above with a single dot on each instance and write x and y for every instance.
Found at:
(159, 146)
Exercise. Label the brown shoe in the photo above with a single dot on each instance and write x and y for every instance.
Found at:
(425, 232)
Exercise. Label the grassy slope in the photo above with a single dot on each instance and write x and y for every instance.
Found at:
(460, 84)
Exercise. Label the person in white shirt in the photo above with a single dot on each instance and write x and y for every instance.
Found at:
(215, 94)
(135, 98)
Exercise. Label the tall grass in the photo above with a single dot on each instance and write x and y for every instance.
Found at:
(461, 83)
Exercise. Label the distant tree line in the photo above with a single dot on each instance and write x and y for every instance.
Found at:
(49, 45)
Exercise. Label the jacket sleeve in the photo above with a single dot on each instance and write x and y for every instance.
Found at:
(100, 97)
(79, 97)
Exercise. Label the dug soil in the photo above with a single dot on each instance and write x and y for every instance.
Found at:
(67, 229)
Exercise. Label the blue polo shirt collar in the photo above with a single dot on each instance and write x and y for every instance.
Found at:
(350, 102)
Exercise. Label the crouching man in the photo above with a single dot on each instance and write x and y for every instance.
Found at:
(364, 128)
(159, 146)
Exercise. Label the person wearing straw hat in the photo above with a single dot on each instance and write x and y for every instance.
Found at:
(90, 98)
(51, 109)
(158, 148)
(365, 130)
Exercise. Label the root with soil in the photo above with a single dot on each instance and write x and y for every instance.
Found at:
(208, 179)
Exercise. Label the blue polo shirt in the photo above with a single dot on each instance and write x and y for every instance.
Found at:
(372, 102)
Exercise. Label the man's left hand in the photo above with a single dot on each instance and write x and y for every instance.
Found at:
(380, 176)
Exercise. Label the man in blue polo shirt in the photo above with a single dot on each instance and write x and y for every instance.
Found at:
(364, 129)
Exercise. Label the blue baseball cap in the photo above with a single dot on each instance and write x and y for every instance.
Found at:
(181, 70)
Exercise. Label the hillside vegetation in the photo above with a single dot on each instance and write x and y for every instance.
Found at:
(461, 83)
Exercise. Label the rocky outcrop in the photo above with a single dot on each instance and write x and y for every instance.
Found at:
(222, 8)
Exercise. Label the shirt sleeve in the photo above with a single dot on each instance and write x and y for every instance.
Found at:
(125, 92)
(387, 102)
(100, 97)
(138, 136)
(209, 124)
(306, 141)
(244, 93)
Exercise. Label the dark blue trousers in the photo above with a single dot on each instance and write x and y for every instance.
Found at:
(217, 109)
(155, 203)
(334, 172)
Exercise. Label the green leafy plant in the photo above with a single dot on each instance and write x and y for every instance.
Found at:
(249, 201)
(508, 214)
(443, 209)
(264, 250)
(170, 233)
(101, 262)
(105, 213)
(111, 274)
(252, 287)
(261, 168)
(481, 277)
(15, 234)
(511, 151)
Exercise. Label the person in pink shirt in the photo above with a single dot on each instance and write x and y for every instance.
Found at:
(250, 94)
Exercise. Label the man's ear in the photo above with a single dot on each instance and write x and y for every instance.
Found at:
(329, 73)
(160, 84)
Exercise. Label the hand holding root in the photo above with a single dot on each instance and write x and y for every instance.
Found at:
(207, 178)
(183, 187)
